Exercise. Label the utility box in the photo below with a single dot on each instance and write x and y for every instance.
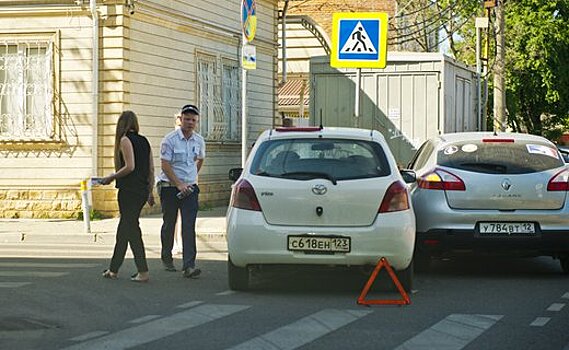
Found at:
(417, 96)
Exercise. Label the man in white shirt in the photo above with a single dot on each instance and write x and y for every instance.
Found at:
(182, 153)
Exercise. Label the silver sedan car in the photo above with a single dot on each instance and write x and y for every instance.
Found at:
(485, 193)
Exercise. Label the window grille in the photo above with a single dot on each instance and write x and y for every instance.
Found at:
(26, 90)
(219, 89)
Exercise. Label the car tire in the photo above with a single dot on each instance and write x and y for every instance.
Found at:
(238, 277)
(564, 260)
(406, 277)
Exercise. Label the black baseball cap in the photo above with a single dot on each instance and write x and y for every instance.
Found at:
(190, 109)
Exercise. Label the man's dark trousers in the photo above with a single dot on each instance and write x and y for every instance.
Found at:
(188, 208)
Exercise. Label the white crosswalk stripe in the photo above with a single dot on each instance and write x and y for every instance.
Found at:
(189, 305)
(453, 333)
(303, 331)
(160, 328)
(144, 319)
(55, 251)
(32, 274)
(13, 284)
(20, 270)
(540, 321)
(47, 265)
(94, 251)
(89, 335)
(556, 307)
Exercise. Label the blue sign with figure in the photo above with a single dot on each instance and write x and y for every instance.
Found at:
(359, 40)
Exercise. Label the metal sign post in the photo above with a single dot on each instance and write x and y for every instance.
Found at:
(244, 118)
(358, 91)
(248, 59)
(359, 40)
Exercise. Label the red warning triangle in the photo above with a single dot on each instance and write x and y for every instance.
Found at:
(404, 296)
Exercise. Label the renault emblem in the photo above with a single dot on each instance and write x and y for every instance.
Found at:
(319, 189)
(506, 184)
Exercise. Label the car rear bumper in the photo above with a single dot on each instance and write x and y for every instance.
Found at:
(460, 242)
(433, 213)
(251, 241)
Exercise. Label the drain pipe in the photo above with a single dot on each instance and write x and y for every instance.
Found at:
(95, 88)
(283, 41)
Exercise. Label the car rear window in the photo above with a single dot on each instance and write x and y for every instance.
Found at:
(500, 157)
(303, 159)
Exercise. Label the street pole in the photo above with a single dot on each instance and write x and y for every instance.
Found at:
(499, 67)
(244, 113)
(357, 102)
(481, 22)
(488, 5)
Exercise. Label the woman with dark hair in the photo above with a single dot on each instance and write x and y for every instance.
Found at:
(134, 175)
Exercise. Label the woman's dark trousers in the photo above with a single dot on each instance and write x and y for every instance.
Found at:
(128, 231)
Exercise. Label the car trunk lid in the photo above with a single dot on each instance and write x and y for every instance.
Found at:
(318, 202)
(505, 192)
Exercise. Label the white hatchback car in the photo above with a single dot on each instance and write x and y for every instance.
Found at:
(319, 196)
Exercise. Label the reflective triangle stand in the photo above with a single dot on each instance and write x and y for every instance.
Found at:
(404, 296)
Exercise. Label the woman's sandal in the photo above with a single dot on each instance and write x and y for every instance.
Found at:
(110, 275)
(136, 278)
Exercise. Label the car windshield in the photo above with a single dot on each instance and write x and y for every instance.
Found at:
(519, 157)
(333, 159)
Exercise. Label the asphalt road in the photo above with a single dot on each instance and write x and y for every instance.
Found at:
(63, 303)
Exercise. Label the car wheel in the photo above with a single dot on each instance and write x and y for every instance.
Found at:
(564, 260)
(422, 261)
(238, 277)
(406, 277)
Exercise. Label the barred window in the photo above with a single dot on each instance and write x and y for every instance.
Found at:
(219, 89)
(26, 89)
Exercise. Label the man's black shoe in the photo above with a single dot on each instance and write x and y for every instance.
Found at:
(191, 272)
(169, 266)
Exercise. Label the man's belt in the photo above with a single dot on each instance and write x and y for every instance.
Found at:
(165, 184)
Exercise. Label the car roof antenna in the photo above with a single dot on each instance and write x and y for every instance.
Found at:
(321, 126)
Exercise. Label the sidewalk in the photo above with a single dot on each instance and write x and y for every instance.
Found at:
(210, 227)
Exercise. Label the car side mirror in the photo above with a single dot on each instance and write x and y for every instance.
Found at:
(235, 173)
(409, 176)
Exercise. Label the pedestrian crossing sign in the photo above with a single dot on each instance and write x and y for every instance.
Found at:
(359, 40)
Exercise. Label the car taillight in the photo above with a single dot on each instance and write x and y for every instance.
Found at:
(395, 199)
(441, 180)
(244, 196)
(559, 182)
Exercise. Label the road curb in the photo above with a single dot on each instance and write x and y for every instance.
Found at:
(101, 238)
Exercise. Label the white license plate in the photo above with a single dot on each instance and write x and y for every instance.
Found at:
(507, 227)
(319, 244)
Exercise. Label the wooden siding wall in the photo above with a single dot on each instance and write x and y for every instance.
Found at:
(43, 164)
(164, 38)
(42, 179)
(147, 64)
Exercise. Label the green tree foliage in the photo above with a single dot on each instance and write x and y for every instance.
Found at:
(537, 58)
(421, 25)
(537, 54)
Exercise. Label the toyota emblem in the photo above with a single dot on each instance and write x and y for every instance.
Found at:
(319, 189)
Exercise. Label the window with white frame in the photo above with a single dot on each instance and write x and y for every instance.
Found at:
(26, 89)
(219, 98)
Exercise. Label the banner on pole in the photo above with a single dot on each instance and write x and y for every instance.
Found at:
(249, 57)
(249, 19)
